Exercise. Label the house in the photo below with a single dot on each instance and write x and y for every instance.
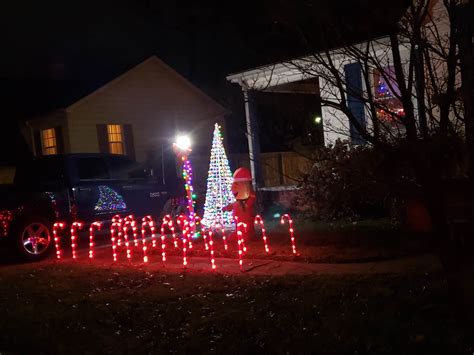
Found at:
(307, 76)
(137, 114)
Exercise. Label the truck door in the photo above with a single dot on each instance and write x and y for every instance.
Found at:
(143, 194)
(97, 197)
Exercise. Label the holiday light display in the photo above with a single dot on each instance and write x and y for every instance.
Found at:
(240, 237)
(109, 200)
(224, 239)
(56, 227)
(128, 226)
(219, 181)
(167, 221)
(5, 218)
(211, 247)
(115, 233)
(259, 220)
(75, 227)
(291, 230)
(95, 226)
(147, 221)
(392, 104)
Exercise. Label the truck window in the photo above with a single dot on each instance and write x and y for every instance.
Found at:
(92, 168)
(44, 170)
(123, 168)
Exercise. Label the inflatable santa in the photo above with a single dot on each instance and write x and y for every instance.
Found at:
(243, 208)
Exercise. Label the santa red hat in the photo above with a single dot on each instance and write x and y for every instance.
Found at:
(242, 174)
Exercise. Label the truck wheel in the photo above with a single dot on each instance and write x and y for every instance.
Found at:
(33, 238)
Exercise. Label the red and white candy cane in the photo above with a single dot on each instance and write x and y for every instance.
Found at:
(240, 226)
(128, 226)
(75, 227)
(115, 236)
(211, 247)
(259, 220)
(224, 239)
(148, 221)
(291, 230)
(118, 223)
(244, 232)
(56, 227)
(133, 225)
(95, 226)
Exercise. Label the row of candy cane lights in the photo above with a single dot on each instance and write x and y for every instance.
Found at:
(122, 230)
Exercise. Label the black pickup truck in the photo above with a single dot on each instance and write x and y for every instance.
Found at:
(78, 187)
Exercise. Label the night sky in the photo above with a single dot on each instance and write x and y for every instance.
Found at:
(54, 52)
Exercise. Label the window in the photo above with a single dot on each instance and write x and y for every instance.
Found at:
(386, 93)
(48, 141)
(115, 138)
(123, 168)
(92, 169)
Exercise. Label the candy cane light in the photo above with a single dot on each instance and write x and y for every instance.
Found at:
(95, 226)
(290, 229)
(56, 228)
(259, 221)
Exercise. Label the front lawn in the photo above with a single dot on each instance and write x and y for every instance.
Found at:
(71, 308)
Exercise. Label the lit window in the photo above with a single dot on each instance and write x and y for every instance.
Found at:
(386, 93)
(115, 137)
(48, 141)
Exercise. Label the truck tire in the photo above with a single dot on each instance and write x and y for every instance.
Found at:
(32, 238)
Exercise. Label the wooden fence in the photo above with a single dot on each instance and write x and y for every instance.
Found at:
(277, 168)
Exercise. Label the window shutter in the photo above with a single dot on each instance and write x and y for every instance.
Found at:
(59, 139)
(102, 138)
(37, 142)
(353, 76)
(128, 138)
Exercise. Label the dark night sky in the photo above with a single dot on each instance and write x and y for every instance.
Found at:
(56, 51)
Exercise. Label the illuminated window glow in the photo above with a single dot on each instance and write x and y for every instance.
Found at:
(48, 141)
(115, 137)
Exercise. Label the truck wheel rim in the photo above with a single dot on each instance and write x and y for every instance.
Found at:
(36, 238)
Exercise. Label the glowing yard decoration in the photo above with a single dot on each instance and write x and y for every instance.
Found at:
(181, 220)
(240, 238)
(211, 246)
(117, 220)
(182, 148)
(167, 221)
(147, 221)
(56, 227)
(219, 182)
(244, 232)
(133, 225)
(115, 231)
(75, 227)
(5, 218)
(128, 226)
(291, 230)
(224, 239)
(186, 232)
(95, 226)
(259, 220)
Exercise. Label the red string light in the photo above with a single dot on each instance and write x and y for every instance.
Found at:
(75, 227)
(181, 220)
(291, 230)
(211, 247)
(259, 220)
(5, 217)
(224, 239)
(95, 226)
(115, 230)
(118, 222)
(133, 225)
(147, 221)
(128, 226)
(240, 239)
(167, 221)
(151, 225)
(186, 230)
(56, 227)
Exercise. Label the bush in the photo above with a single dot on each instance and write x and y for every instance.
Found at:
(348, 182)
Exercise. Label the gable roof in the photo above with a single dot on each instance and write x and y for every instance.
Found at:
(152, 61)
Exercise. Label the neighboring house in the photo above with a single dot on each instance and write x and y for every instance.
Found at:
(335, 124)
(138, 114)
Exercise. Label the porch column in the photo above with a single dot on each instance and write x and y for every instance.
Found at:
(252, 137)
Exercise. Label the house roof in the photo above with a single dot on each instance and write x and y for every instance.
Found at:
(152, 61)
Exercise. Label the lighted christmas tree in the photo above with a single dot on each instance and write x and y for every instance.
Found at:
(219, 182)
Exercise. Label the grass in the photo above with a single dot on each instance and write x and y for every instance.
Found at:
(85, 309)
